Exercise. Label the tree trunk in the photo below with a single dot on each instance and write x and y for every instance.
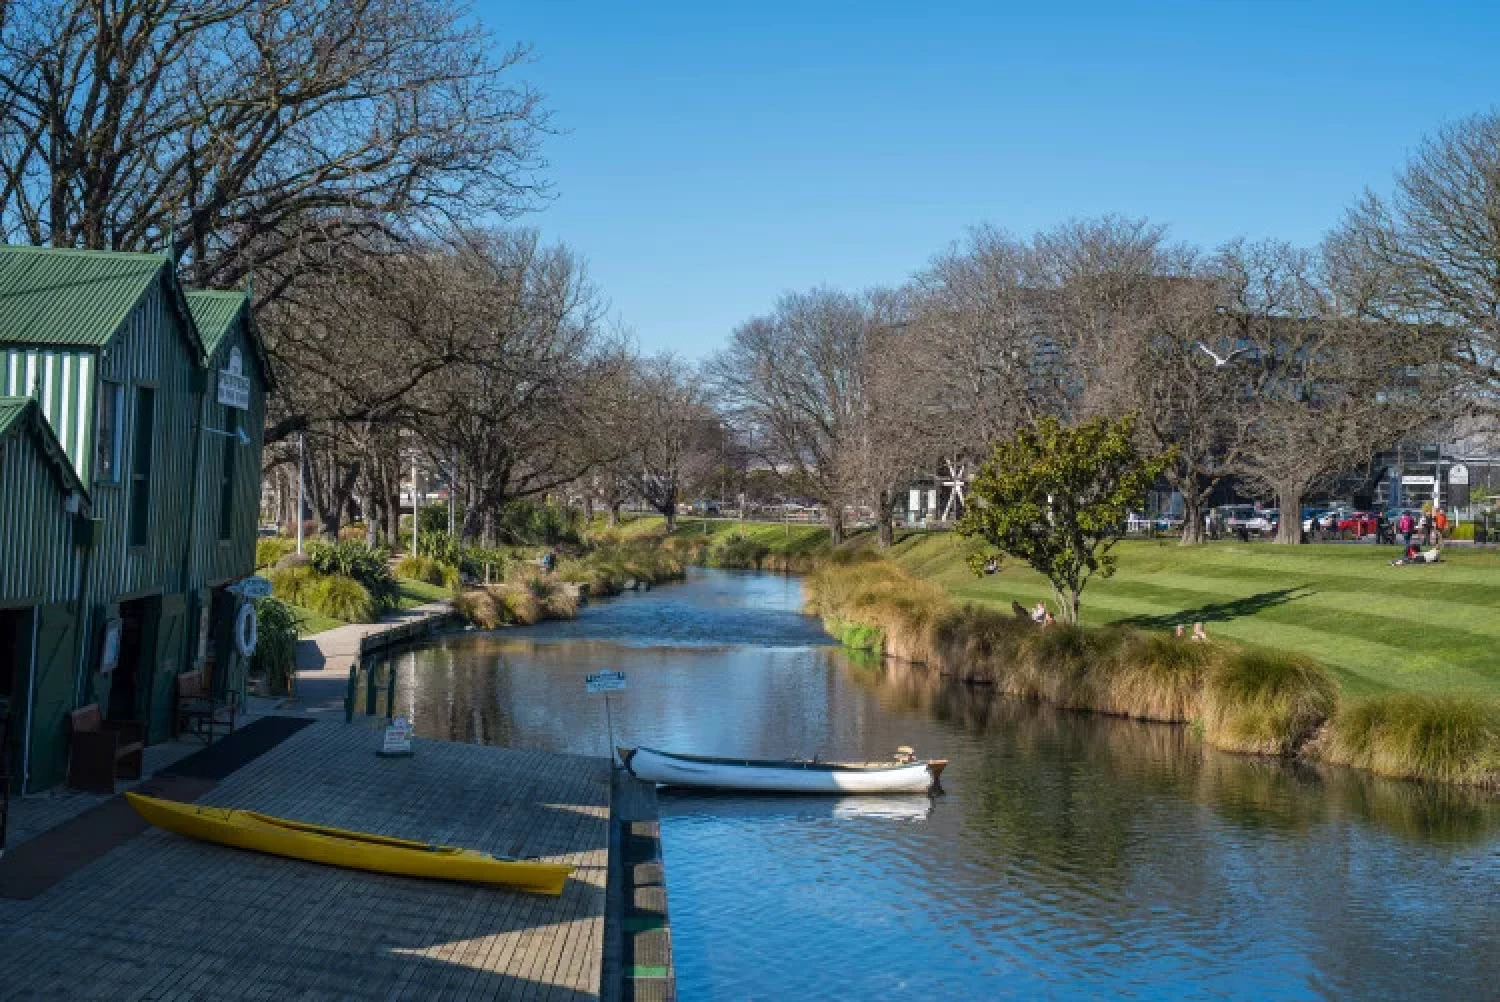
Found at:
(614, 514)
(835, 524)
(1192, 521)
(883, 516)
(670, 514)
(1289, 530)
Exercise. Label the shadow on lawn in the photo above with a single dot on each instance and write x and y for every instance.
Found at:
(1222, 612)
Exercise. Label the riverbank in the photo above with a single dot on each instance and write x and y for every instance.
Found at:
(1240, 698)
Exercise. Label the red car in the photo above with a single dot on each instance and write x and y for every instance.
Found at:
(1359, 524)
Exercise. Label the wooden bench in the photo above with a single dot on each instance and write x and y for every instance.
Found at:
(199, 712)
(101, 750)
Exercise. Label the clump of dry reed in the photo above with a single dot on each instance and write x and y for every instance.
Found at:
(1453, 739)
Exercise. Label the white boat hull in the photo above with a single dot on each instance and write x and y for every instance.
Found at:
(779, 777)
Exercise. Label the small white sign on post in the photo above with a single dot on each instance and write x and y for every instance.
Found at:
(606, 681)
(397, 741)
(1458, 474)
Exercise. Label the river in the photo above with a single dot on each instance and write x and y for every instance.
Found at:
(1071, 856)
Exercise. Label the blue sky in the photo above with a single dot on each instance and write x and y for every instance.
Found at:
(715, 155)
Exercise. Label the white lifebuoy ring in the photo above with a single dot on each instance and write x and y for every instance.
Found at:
(246, 630)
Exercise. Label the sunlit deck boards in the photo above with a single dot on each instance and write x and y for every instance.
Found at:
(162, 917)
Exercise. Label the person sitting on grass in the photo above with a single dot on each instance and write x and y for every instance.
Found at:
(1177, 632)
(1199, 633)
(1431, 556)
(1039, 614)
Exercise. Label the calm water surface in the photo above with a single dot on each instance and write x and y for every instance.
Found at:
(1071, 857)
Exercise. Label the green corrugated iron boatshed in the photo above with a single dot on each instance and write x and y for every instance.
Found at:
(45, 505)
(149, 417)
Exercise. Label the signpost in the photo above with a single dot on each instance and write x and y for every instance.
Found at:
(607, 682)
(397, 742)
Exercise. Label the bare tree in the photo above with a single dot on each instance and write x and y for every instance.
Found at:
(512, 411)
(794, 381)
(1429, 256)
(1331, 387)
(246, 134)
(672, 436)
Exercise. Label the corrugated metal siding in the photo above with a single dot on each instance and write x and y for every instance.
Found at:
(38, 559)
(63, 382)
(149, 350)
(215, 559)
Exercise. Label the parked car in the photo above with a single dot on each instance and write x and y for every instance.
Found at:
(1359, 524)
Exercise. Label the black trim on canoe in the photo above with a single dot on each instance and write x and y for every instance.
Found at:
(782, 763)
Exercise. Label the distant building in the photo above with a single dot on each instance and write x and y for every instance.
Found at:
(156, 399)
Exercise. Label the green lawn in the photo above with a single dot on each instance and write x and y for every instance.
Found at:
(415, 593)
(790, 538)
(1378, 628)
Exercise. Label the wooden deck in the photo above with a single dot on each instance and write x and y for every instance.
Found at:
(163, 917)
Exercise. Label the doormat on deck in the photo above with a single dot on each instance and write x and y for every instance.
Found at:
(248, 743)
(36, 864)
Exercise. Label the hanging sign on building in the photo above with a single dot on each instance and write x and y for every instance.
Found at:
(234, 387)
(1458, 473)
(1418, 480)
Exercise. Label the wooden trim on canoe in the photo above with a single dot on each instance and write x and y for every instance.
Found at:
(626, 754)
(936, 767)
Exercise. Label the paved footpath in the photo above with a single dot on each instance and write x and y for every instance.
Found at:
(324, 659)
(164, 917)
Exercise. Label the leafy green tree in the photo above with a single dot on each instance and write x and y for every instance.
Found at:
(1056, 497)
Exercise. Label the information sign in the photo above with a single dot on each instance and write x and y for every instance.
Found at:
(606, 681)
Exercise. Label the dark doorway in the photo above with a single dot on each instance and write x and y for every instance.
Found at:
(125, 684)
(15, 647)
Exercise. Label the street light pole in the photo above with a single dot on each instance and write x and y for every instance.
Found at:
(301, 484)
(416, 507)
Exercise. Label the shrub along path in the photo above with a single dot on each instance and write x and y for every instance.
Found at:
(1378, 628)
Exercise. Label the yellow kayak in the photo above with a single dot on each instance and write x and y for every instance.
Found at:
(356, 850)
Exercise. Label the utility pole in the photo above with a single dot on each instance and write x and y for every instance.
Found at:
(301, 483)
(416, 507)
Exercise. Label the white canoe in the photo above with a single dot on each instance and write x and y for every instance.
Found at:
(780, 777)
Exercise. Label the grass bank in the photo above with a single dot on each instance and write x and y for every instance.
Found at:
(1241, 698)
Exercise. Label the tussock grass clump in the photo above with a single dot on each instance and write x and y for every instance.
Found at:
(269, 549)
(1158, 677)
(428, 571)
(479, 607)
(1453, 739)
(290, 583)
(339, 597)
(1265, 702)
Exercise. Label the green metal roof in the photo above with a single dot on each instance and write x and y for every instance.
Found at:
(55, 296)
(19, 414)
(215, 314)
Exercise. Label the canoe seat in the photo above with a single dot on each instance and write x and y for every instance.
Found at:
(199, 712)
(101, 750)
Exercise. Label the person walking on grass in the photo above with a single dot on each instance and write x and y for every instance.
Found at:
(1404, 527)
(1439, 526)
